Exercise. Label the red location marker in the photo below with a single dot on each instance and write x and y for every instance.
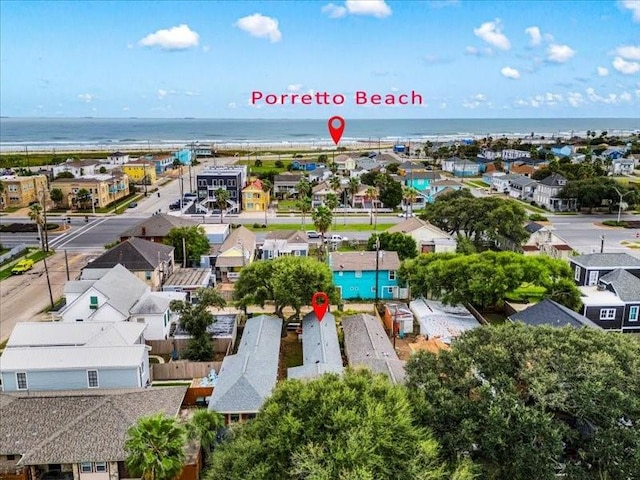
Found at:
(320, 308)
(336, 128)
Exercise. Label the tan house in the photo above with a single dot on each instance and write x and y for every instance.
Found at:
(104, 189)
(21, 191)
(429, 238)
(543, 241)
(237, 251)
(344, 163)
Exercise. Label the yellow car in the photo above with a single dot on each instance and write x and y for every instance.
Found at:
(22, 266)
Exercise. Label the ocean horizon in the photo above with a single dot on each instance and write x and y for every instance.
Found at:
(42, 134)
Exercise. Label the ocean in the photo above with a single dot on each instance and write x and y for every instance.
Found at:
(62, 134)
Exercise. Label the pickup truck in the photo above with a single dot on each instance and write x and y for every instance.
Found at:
(22, 266)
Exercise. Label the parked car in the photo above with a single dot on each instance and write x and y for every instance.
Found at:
(335, 238)
(313, 234)
(175, 205)
(403, 215)
(132, 205)
(22, 266)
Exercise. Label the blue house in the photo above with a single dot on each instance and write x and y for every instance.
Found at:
(465, 168)
(354, 274)
(304, 165)
(482, 163)
(161, 163)
(421, 181)
(562, 150)
(184, 156)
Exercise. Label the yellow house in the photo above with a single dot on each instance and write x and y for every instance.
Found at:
(103, 189)
(236, 252)
(254, 199)
(22, 191)
(137, 171)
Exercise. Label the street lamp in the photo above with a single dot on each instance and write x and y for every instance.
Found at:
(620, 202)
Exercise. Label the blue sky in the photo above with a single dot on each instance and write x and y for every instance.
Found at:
(467, 59)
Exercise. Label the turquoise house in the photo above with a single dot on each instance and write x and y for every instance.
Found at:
(183, 156)
(354, 274)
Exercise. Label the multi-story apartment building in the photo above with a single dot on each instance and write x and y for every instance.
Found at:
(21, 191)
(231, 178)
(103, 190)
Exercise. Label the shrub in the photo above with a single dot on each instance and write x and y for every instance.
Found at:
(279, 164)
(258, 163)
(614, 223)
(536, 217)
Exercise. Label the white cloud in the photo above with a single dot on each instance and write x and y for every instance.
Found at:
(522, 103)
(86, 97)
(559, 53)
(192, 93)
(161, 93)
(602, 71)
(510, 73)
(552, 98)
(125, 109)
(258, 25)
(480, 97)
(491, 32)
(174, 38)
(478, 52)
(630, 52)
(294, 87)
(625, 97)
(334, 11)
(633, 6)
(375, 8)
(575, 99)
(534, 35)
(624, 67)
(443, 105)
(232, 105)
(610, 99)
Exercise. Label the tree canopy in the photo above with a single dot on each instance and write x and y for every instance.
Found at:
(599, 191)
(484, 220)
(390, 192)
(286, 281)
(357, 427)
(405, 245)
(485, 279)
(195, 240)
(531, 402)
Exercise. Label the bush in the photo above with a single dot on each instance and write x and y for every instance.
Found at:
(536, 217)
(258, 163)
(614, 223)
(279, 164)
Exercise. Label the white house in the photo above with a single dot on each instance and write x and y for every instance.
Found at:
(118, 158)
(285, 242)
(429, 238)
(77, 168)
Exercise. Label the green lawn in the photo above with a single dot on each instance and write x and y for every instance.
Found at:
(528, 206)
(527, 293)
(477, 183)
(350, 227)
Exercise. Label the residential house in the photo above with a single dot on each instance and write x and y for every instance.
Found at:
(522, 188)
(344, 163)
(547, 194)
(614, 153)
(465, 168)
(237, 251)
(77, 168)
(588, 269)
(185, 155)
(161, 163)
(76, 434)
(43, 356)
(622, 166)
(189, 280)
(488, 177)
(303, 165)
(366, 345)
(550, 313)
(279, 243)
(373, 164)
(445, 322)
(448, 163)
(201, 150)
(441, 186)
(141, 172)
(254, 198)
(502, 183)
(230, 178)
(562, 150)
(421, 181)
(319, 175)
(285, 185)
(118, 158)
(408, 167)
(543, 240)
(22, 191)
(362, 199)
(216, 233)
(320, 348)
(512, 154)
(319, 194)
(118, 295)
(355, 274)
(483, 163)
(522, 169)
(156, 228)
(104, 190)
(247, 378)
(151, 262)
(428, 237)
(398, 319)
(614, 303)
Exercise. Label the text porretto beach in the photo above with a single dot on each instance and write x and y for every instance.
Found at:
(325, 98)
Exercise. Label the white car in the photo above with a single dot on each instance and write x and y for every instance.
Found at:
(336, 238)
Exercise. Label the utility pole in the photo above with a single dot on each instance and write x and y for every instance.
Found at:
(377, 267)
(184, 252)
(620, 202)
(66, 264)
(46, 271)
(44, 214)
(602, 244)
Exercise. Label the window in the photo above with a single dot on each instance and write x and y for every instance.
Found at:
(101, 466)
(577, 274)
(11, 457)
(633, 314)
(232, 183)
(93, 302)
(234, 418)
(358, 273)
(392, 274)
(593, 278)
(92, 378)
(607, 314)
(373, 289)
(21, 381)
(86, 467)
(147, 275)
(389, 290)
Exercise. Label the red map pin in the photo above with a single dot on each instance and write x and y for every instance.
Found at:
(336, 128)
(320, 308)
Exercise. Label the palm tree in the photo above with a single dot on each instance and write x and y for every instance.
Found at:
(336, 184)
(353, 188)
(322, 218)
(155, 448)
(266, 188)
(222, 197)
(36, 214)
(372, 194)
(409, 194)
(203, 427)
(304, 204)
(303, 188)
(331, 201)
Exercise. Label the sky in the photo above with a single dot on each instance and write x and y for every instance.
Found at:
(465, 59)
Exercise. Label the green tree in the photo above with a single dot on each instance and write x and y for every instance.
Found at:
(286, 281)
(203, 427)
(194, 239)
(266, 188)
(155, 448)
(304, 205)
(56, 196)
(322, 218)
(405, 245)
(36, 215)
(335, 184)
(195, 319)
(222, 197)
(355, 427)
(409, 195)
(534, 402)
(83, 197)
(331, 202)
(103, 169)
(64, 175)
(303, 187)
(353, 188)
(372, 195)
(391, 193)
(597, 192)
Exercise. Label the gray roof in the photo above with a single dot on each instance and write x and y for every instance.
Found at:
(555, 180)
(625, 285)
(442, 321)
(52, 334)
(533, 227)
(363, 261)
(240, 235)
(606, 260)
(122, 288)
(294, 236)
(153, 303)
(135, 254)
(522, 181)
(247, 378)
(78, 426)
(548, 312)
(158, 226)
(189, 277)
(367, 345)
(320, 348)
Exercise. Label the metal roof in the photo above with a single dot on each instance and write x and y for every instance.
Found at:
(51, 334)
(442, 321)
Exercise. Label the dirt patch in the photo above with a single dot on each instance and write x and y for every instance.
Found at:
(290, 354)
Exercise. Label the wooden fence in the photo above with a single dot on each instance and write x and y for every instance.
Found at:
(183, 370)
(166, 347)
